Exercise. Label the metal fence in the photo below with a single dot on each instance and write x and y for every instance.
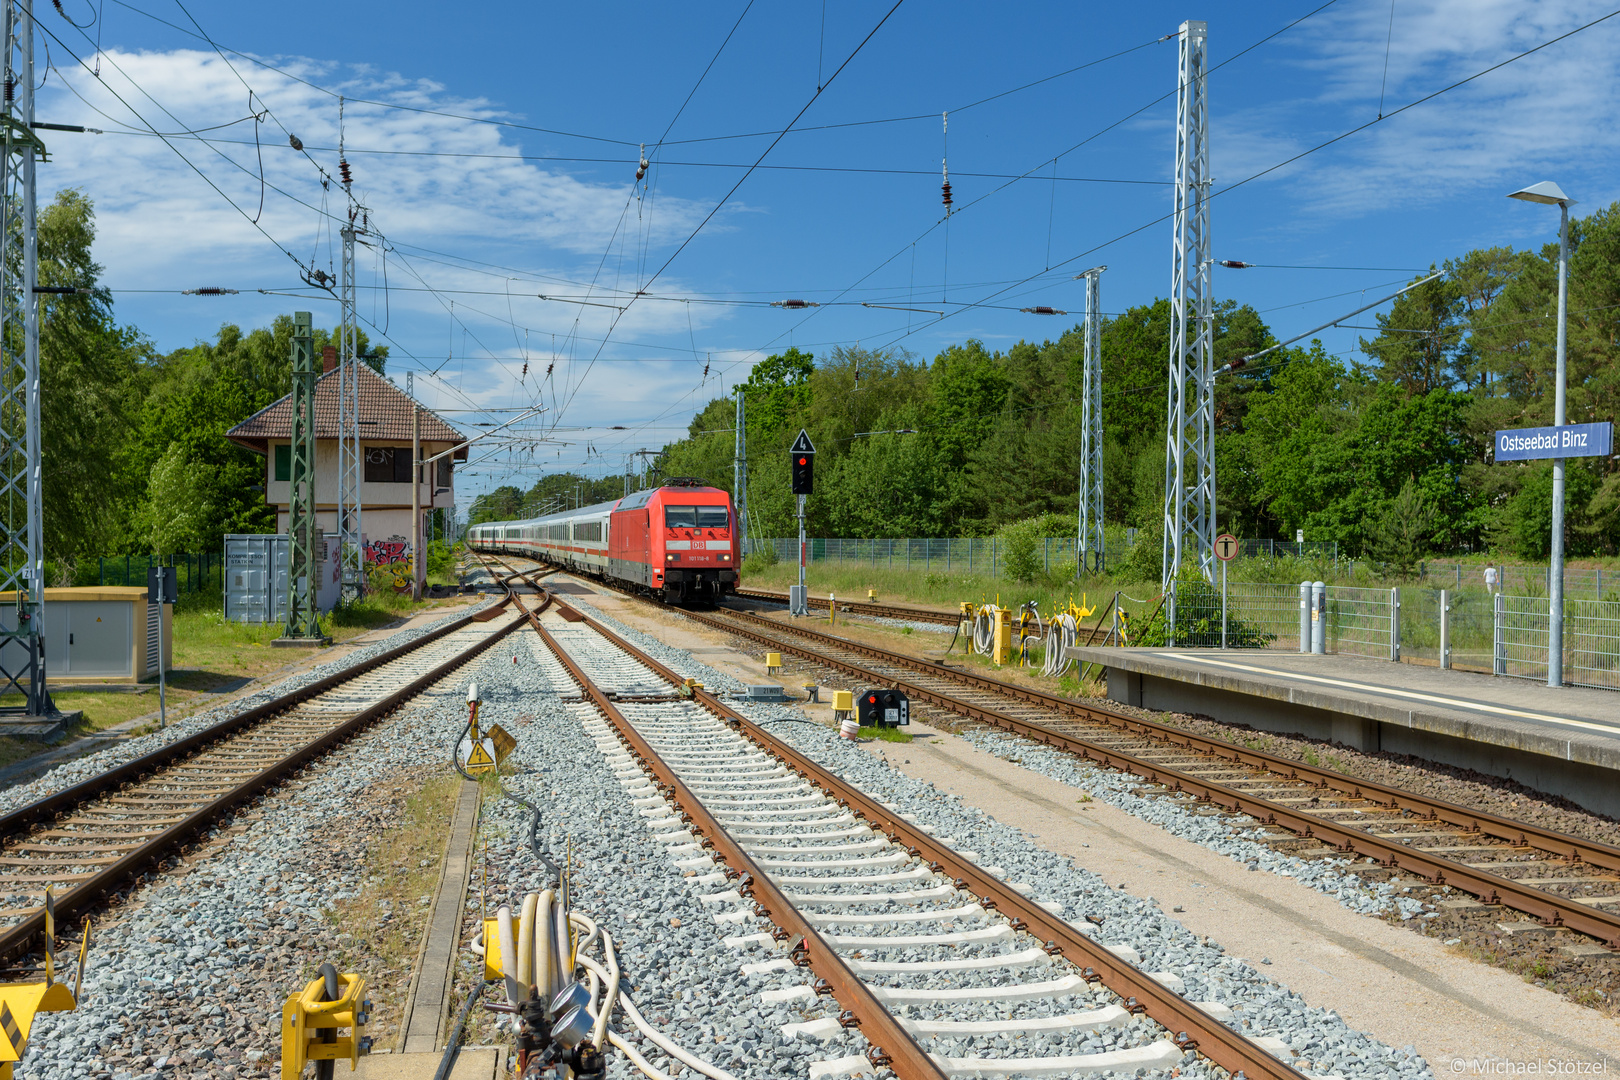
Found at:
(193, 571)
(1364, 622)
(1504, 634)
(984, 555)
(1591, 645)
(1516, 579)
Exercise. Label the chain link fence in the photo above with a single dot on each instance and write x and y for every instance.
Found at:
(984, 555)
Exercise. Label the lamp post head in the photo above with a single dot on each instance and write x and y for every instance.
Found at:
(1545, 192)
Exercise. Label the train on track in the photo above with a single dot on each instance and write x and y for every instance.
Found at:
(679, 541)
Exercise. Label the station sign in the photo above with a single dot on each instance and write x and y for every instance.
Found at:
(1571, 440)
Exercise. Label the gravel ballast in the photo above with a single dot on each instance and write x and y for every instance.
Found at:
(1262, 1006)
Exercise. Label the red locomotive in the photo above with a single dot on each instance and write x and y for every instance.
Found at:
(679, 541)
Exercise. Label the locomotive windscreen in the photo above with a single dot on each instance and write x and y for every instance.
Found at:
(696, 517)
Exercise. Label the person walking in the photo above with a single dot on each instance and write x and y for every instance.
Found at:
(1490, 578)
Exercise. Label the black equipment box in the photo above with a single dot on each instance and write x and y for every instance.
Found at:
(886, 707)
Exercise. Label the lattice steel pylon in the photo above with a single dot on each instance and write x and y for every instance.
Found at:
(351, 457)
(22, 561)
(302, 532)
(1189, 462)
(1090, 552)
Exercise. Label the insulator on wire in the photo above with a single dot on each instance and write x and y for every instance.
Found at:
(343, 171)
(641, 169)
(209, 290)
(945, 195)
(295, 142)
(11, 90)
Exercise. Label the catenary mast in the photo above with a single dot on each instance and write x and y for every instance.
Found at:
(1189, 467)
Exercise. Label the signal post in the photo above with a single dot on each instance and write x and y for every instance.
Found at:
(802, 455)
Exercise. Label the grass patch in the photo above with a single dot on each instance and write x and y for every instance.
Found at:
(386, 919)
(885, 734)
(101, 711)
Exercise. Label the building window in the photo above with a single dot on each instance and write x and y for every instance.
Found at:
(283, 462)
(444, 472)
(388, 464)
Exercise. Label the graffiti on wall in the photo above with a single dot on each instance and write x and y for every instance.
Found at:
(395, 549)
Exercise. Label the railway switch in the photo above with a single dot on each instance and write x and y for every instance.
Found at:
(312, 1018)
(887, 707)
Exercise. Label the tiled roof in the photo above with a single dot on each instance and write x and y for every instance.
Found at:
(385, 416)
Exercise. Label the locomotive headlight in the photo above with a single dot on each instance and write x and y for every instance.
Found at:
(669, 558)
(727, 555)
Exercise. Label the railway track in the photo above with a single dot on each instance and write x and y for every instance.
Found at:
(859, 607)
(913, 938)
(89, 841)
(1557, 879)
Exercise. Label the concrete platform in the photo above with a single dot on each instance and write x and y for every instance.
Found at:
(40, 728)
(1564, 741)
(472, 1064)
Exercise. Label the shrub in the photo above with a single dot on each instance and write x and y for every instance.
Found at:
(1021, 544)
(1145, 560)
(760, 559)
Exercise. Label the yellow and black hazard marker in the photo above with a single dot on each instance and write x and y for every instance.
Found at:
(21, 1002)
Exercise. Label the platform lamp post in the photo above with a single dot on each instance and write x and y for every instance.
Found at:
(1551, 194)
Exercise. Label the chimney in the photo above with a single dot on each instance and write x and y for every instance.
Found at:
(329, 358)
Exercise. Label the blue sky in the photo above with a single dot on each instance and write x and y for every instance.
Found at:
(480, 220)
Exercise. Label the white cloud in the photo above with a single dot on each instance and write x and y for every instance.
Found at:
(162, 224)
(1546, 112)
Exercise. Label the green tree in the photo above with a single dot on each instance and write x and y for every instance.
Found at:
(89, 385)
(177, 516)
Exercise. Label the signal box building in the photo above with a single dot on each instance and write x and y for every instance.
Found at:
(385, 439)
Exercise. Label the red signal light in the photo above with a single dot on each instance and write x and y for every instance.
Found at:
(801, 461)
(872, 700)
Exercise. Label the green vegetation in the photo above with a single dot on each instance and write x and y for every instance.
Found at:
(137, 458)
(885, 734)
(1390, 458)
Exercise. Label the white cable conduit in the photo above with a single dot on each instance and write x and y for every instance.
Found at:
(535, 920)
(1061, 633)
(984, 630)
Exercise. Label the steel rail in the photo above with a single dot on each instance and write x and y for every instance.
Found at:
(1191, 1027)
(17, 940)
(1549, 908)
(860, 607)
(1507, 829)
(891, 1045)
